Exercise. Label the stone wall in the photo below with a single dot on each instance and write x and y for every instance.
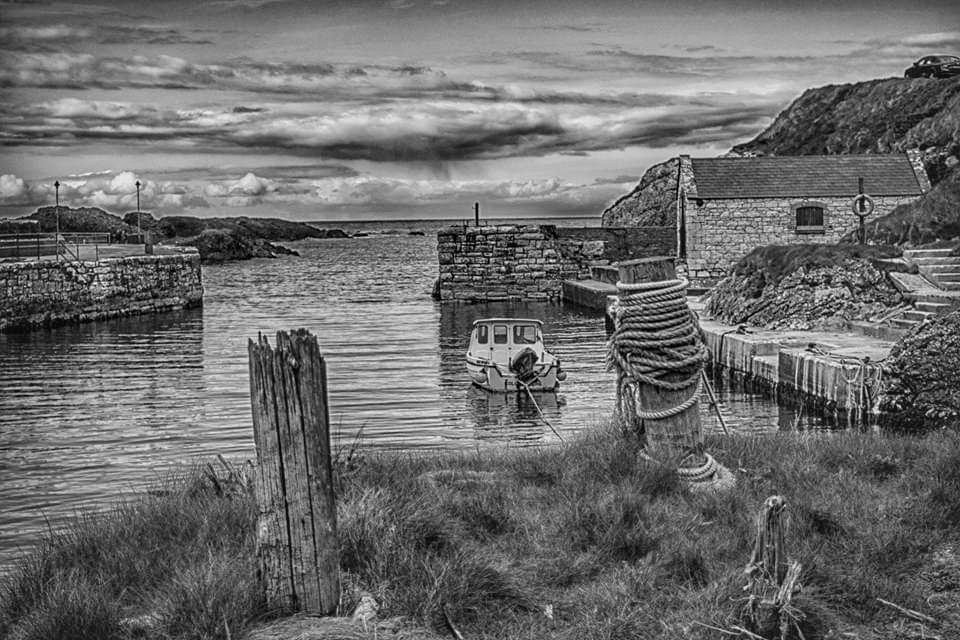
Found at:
(720, 232)
(45, 293)
(515, 262)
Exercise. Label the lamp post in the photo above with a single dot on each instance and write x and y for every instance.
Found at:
(56, 187)
(139, 238)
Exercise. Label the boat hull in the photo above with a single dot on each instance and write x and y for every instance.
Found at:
(491, 377)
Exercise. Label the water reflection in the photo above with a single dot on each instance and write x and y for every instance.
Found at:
(89, 411)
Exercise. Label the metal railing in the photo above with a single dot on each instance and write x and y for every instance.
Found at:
(39, 245)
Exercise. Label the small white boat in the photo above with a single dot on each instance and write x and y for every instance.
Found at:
(507, 354)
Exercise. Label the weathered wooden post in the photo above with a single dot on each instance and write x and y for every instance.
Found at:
(658, 354)
(297, 526)
(773, 578)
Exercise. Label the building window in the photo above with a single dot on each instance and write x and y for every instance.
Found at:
(809, 218)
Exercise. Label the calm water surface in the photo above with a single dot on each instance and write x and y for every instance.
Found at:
(90, 412)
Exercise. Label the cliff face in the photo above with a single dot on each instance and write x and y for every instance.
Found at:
(653, 201)
(879, 116)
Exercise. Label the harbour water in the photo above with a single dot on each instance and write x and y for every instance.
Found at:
(91, 412)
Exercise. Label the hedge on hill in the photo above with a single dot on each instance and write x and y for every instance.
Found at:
(924, 377)
(807, 286)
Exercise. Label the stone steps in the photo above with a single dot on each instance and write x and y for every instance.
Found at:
(937, 308)
(935, 260)
(926, 253)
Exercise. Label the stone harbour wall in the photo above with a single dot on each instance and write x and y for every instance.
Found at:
(720, 232)
(41, 294)
(530, 262)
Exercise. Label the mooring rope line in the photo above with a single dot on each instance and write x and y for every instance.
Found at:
(655, 335)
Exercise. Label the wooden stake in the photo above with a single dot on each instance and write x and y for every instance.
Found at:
(668, 439)
(297, 531)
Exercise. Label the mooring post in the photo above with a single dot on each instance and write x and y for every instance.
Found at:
(476, 214)
(297, 529)
(672, 437)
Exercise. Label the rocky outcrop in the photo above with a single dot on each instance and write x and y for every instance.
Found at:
(935, 216)
(807, 287)
(221, 245)
(80, 220)
(879, 116)
(924, 388)
(652, 203)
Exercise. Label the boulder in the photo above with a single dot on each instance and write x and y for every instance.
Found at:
(807, 287)
(221, 245)
(923, 389)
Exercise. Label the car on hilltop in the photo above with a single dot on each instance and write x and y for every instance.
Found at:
(934, 67)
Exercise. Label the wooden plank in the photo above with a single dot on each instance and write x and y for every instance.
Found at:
(655, 269)
(272, 535)
(316, 439)
(288, 456)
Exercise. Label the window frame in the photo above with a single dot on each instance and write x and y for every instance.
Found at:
(809, 229)
(506, 334)
(483, 334)
(520, 329)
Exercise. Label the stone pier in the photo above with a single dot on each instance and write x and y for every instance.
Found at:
(35, 294)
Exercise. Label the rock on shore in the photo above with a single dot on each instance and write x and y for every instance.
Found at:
(924, 370)
(807, 287)
(217, 239)
(222, 245)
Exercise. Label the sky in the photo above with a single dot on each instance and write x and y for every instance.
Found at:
(406, 109)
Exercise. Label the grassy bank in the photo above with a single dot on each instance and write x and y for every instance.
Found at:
(582, 541)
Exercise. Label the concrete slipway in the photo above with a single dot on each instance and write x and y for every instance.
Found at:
(838, 371)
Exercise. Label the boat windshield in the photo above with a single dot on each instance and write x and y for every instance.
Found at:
(524, 334)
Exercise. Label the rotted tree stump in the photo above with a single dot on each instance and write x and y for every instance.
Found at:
(773, 577)
(297, 544)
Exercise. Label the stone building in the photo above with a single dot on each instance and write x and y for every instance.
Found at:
(728, 206)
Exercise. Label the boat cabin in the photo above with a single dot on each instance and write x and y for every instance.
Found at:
(498, 339)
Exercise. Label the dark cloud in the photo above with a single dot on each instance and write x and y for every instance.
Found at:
(424, 131)
(58, 36)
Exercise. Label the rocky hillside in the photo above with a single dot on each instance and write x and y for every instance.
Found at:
(879, 116)
(935, 216)
(80, 220)
(652, 203)
(808, 286)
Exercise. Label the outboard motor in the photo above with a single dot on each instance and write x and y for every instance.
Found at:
(523, 365)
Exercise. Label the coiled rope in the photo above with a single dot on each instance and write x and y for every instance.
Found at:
(656, 341)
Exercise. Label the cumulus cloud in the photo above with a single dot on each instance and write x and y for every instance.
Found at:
(13, 190)
(241, 192)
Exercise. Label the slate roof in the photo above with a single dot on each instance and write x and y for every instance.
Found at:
(804, 176)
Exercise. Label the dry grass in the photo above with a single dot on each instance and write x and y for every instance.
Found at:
(580, 541)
